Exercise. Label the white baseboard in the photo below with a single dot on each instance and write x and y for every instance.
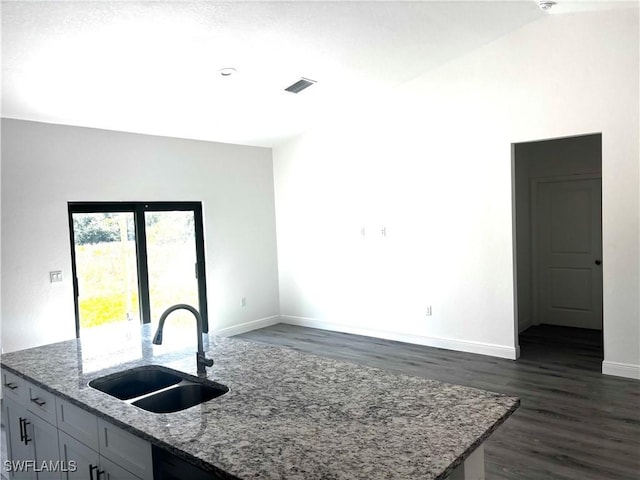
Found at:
(627, 370)
(248, 326)
(446, 343)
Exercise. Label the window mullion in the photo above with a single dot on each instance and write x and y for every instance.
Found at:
(143, 270)
(202, 281)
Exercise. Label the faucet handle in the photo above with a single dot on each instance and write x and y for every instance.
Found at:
(202, 360)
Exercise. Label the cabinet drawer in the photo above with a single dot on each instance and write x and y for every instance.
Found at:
(125, 449)
(42, 403)
(78, 423)
(13, 386)
(113, 471)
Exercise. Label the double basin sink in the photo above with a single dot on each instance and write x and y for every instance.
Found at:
(158, 389)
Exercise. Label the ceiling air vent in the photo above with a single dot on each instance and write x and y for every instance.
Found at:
(300, 85)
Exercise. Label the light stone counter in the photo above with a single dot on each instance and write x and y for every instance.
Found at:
(287, 415)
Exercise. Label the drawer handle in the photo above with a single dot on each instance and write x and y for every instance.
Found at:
(38, 401)
(21, 429)
(11, 385)
(24, 435)
(99, 473)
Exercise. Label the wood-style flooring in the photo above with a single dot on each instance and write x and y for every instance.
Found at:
(573, 422)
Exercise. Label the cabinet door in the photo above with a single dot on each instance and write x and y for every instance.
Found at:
(80, 460)
(45, 442)
(113, 471)
(19, 442)
(125, 449)
(78, 423)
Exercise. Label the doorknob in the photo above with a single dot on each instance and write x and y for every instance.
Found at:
(598, 262)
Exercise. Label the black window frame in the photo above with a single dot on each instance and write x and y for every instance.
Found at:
(138, 209)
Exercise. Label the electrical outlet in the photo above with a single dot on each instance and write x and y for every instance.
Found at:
(55, 277)
(429, 312)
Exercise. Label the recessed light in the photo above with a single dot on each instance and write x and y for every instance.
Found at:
(227, 72)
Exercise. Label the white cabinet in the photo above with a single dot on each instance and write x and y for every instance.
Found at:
(81, 459)
(103, 450)
(45, 448)
(13, 387)
(125, 449)
(78, 423)
(18, 449)
(32, 437)
(113, 471)
(52, 439)
(32, 444)
(87, 463)
(14, 417)
(41, 402)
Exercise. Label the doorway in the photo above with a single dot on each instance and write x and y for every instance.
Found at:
(131, 261)
(558, 244)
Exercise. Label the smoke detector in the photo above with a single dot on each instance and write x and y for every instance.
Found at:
(227, 71)
(546, 5)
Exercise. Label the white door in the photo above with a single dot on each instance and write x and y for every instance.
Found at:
(568, 237)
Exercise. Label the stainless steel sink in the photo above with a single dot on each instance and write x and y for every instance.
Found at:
(158, 389)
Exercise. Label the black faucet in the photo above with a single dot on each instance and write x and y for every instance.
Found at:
(201, 360)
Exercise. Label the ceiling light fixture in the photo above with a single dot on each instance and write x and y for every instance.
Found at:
(227, 71)
(546, 5)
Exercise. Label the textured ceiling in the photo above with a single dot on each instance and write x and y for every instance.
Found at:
(152, 67)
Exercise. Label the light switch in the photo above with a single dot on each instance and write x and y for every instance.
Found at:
(55, 276)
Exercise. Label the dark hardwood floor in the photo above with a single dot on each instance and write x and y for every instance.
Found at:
(578, 348)
(573, 422)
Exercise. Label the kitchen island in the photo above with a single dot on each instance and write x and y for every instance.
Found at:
(287, 415)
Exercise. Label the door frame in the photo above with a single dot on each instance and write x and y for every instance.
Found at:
(138, 209)
(534, 183)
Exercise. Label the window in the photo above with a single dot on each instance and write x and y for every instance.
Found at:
(133, 260)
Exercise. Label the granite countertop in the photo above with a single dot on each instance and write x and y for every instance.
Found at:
(287, 415)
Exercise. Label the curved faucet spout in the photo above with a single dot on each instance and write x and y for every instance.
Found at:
(201, 360)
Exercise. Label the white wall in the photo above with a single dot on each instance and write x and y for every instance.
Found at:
(44, 166)
(433, 165)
